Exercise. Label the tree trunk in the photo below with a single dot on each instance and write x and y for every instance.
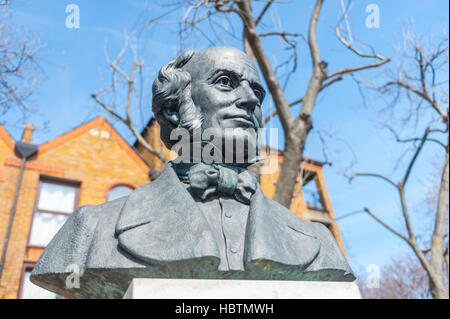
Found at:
(291, 127)
(292, 156)
(295, 139)
(437, 249)
(247, 47)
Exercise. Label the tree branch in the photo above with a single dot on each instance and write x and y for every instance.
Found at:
(349, 45)
(312, 33)
(416, 154)
(282, 34)
(260, 16)
(300, 100)
(427, 98)
(358, 68)
(374, 175)
(130, 125)
(386, 225)
(130, 82)
(415, 139)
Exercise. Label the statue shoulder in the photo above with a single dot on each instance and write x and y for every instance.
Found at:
(331, 261)
(70, 245)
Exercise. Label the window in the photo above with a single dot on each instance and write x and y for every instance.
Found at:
(54, 203)
(118, 191)
(57, 197)
(31, 291)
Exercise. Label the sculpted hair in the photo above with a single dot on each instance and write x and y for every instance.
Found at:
(172, 95)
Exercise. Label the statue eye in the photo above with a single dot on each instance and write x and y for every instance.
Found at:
(225, 81)
(258, 94)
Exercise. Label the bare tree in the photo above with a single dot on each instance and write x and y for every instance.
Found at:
(19, 71)
(214, 19)
(122, 79)
(403, 278)
(422, 79)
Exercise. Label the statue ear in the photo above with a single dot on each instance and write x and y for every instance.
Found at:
(171, 116)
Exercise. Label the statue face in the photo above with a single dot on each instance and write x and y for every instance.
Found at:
(226, 88)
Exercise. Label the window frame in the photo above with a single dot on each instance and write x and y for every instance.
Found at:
(115, 184)
(57, 181)
(27, 266)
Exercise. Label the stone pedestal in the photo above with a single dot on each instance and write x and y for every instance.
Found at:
(239, 289)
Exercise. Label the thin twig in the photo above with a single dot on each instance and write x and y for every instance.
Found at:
(385, 225)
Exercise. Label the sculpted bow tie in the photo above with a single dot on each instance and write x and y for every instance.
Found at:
(212, 179)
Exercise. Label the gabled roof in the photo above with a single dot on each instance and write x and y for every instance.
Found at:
(100, 120)
(4, 135)
(149, 124)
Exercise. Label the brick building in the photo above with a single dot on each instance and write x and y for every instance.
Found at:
(88, 165)
(92, 164)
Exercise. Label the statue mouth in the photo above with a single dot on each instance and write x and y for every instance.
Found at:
(241, 119)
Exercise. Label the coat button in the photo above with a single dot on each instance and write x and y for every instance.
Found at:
(233, 250)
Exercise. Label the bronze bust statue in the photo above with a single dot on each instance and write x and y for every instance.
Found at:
(198, 219)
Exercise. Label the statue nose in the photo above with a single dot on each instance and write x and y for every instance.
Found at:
(248, 98)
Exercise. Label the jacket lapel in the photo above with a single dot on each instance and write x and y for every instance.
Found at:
(275, 234)
(161, 222)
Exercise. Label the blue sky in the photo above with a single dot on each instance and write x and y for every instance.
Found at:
(74, 66)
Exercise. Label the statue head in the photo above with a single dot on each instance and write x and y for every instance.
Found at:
(214, 88)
